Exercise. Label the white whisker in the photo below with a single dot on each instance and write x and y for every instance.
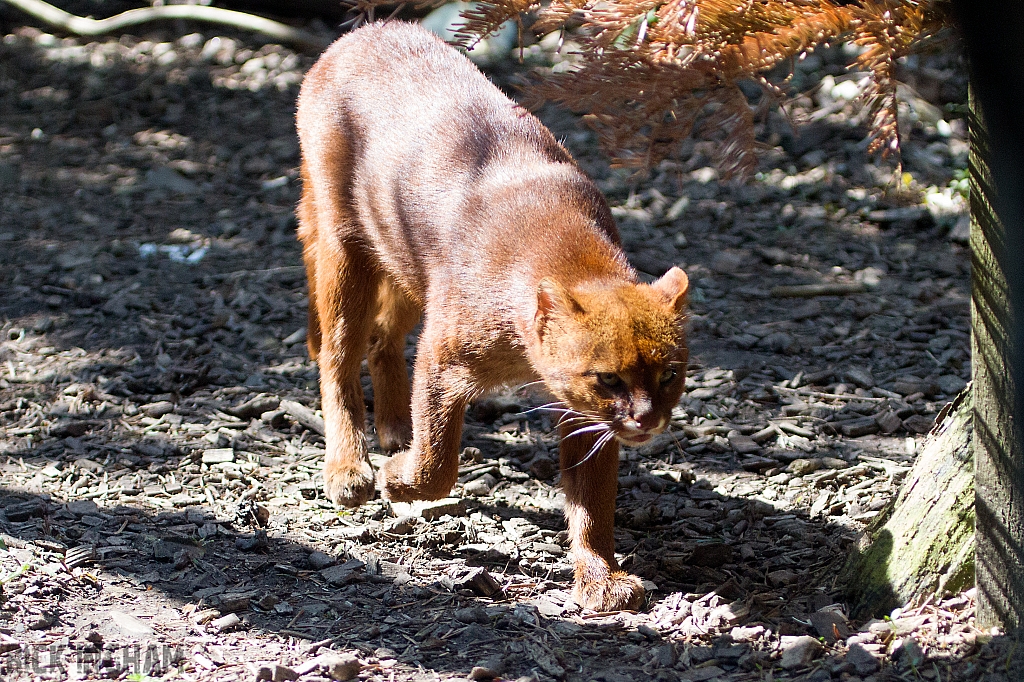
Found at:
(593, 428)
(598, 445)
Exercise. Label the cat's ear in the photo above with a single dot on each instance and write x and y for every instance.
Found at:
(554, 300)
(673, 285)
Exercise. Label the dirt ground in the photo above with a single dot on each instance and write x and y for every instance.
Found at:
(160, 446)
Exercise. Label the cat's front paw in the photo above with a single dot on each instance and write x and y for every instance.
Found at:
(620, 591)
(348, 486)
(405, 478)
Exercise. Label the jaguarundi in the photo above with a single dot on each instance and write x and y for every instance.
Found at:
(427, 192)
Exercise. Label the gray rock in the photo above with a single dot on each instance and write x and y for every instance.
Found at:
(802, 467)
(321, 560)
(778, 342)
(282, 673)
(481, 486)
(860, 660)
(83, 508)
(472, 614)
(341, 667)
(798, 652)
(907, 652)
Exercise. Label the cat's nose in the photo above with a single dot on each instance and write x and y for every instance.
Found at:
(645, 422)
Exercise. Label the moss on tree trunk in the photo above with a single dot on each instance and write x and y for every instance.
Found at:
(924, 541)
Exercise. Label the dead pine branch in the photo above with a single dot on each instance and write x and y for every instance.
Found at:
(85, 26)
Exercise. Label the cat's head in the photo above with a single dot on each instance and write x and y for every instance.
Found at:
(614, 352)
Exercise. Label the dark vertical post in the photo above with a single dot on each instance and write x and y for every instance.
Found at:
(993, 33)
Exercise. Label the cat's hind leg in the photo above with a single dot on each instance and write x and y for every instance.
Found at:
(590, 482)
(397, 314)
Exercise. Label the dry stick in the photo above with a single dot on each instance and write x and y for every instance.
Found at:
(85, 26)
(811, 290)
(829, 396)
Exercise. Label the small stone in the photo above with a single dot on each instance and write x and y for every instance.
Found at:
(83, 508)
(543, 468)
(282, 673)
(778, 342)
(860, 660)
(798, 652)
(482, 673)
(782, 577)
(746, 634)
(320, 560)
(341, 667)
(648, 632)
(907, 652)
(472, 614)
(802, 467)
(480, 487)
(403, 525)
(218, 455)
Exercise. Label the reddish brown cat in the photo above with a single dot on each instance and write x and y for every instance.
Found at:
(427, 192)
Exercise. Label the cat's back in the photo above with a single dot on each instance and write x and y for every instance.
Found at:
(397, 78)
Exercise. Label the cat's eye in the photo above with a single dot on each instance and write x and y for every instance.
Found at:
(609, 379)
(667, 376)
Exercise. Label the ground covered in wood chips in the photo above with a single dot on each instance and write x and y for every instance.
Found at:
(160, 443)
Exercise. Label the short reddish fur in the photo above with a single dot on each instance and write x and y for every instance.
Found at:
(427, 192)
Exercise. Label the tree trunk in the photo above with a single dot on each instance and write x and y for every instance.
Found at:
(991, 31)
(923, 543)
(997, 452)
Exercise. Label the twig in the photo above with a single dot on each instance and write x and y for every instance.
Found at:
(85, 26)
(829, 396)
(811, 290)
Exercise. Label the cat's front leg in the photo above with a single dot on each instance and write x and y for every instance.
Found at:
(429, 468)
(590, 481)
